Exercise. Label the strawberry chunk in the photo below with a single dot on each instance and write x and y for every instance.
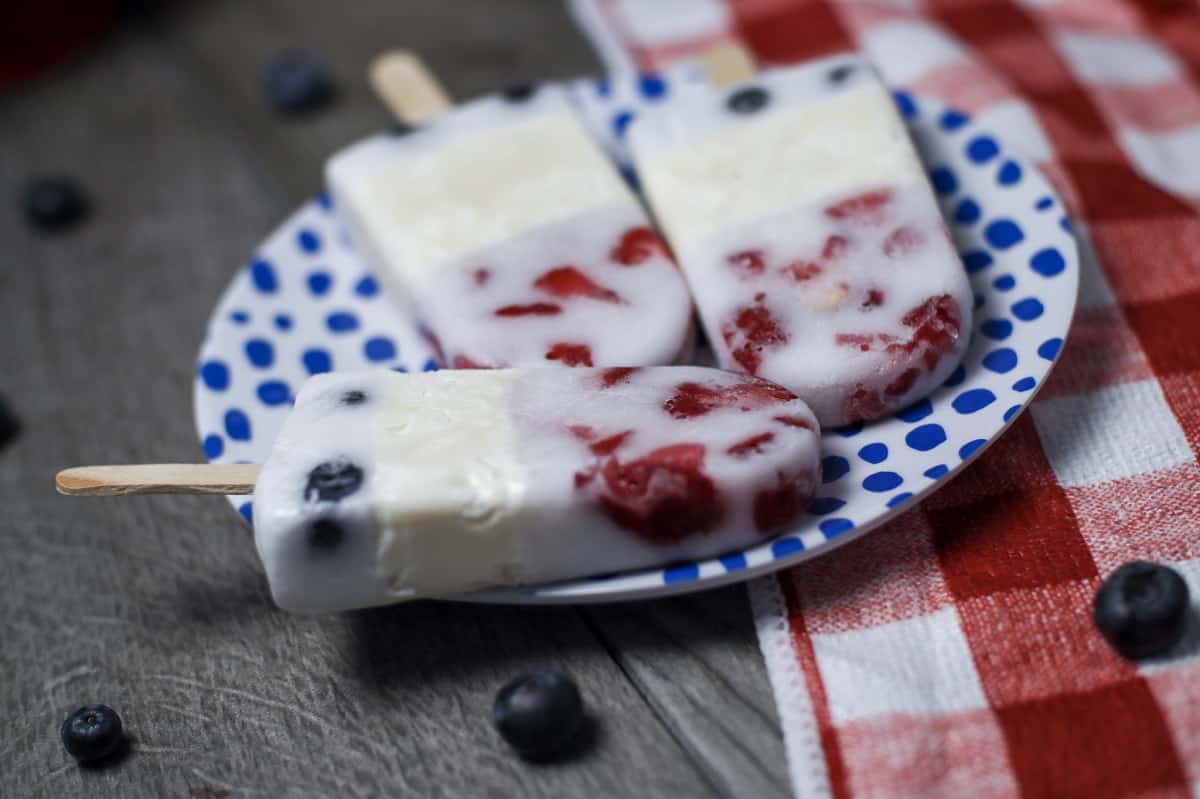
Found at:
(570, 354)
(874, 299)
(696, 399)
(567, 281)
(533, 309)
(835, 247)
(903, 241)
(777, 506)
(463, 362)
(748, 263)
(614, 375)
(664, 496)
(802, 271)
(637, 246)
(749, 332)
(869, 208)
(754, 445)
(481, 276)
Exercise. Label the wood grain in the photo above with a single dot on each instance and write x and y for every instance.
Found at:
(158, 478)
(406, 86)
(157, 605)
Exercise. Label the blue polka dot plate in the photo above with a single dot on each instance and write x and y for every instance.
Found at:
(305, 304)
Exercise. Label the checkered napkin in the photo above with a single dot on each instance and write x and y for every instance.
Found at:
(952, 653)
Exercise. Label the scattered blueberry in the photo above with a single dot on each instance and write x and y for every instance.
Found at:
(296, 83)
(354, 397)
(92, 732)
(748, 100)
(325, 534)
(10, 427)
(520, 93)
(55, 203)
(332, 480)
(1142, 608)
(539, 713)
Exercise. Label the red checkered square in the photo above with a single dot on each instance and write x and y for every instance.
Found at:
(1148, 258)
(1005, 542)
(1037, 642)
(1101, 351)
(1152, 517)
(919, 756)
(1110, 741)
(894, 565)
(1013, 464)
(1178, 693)
(979, 90)
(785, 31)
(1164, 327)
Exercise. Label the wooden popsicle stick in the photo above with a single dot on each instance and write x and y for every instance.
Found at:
(158, 478)
(407, 87)
(729, 63)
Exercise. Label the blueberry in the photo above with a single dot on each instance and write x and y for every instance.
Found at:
(840, 73)
(92, 732)
(399, 129)
(539, 713)
(519, 93)
(1142, 609)
(55, 203)
(333, 480)
(297, 82)
(748, 100)
(354, 397)
(325, 534)
(9, 425)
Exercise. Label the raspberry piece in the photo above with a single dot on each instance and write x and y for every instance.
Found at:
(752, 330)
(696, 399)
(874, 299)
(617, 374)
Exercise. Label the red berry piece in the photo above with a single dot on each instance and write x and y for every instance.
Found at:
(567, 281)
(749, 263)
(533, 309)
(752, 330)
(696, 399)
(754, 445)
(775, 507)
(616, 375)
(903, 241)
(481, 276)
(570, 354)
(874, 299)
(869, 208)
(637, 246)
(463, 362)
(664, 496)
(936, 325)
(794, 421)
(802, 271)
(835, 247)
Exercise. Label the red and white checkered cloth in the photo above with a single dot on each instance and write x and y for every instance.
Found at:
(953, 653)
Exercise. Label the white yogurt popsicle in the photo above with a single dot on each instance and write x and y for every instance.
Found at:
(511, 236)
(815, 250)
(385, 486)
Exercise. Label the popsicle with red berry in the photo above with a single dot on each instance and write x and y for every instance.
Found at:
(385, 486)
(507, 231)
(815, 250)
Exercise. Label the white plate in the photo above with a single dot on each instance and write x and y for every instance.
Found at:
(307, 303)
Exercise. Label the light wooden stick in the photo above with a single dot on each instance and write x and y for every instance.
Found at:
(407, 87)
(158, 478)
(729, 63)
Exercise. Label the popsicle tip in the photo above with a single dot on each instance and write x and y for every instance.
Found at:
(74, 481)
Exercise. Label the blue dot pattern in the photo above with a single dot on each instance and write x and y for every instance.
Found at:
(1009, 226)
(260, 353)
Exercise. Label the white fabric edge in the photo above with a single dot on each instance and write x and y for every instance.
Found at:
(590, 20)
(801, 737)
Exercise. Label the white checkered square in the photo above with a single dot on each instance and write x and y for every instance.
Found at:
(1110, 433)
(1116, 59)
(670, 21)
(921, 665)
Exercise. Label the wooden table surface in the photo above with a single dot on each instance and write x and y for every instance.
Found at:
(157, 605)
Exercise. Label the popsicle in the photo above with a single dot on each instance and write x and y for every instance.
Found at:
(801, 214)
(509, 234)
(383, 486)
